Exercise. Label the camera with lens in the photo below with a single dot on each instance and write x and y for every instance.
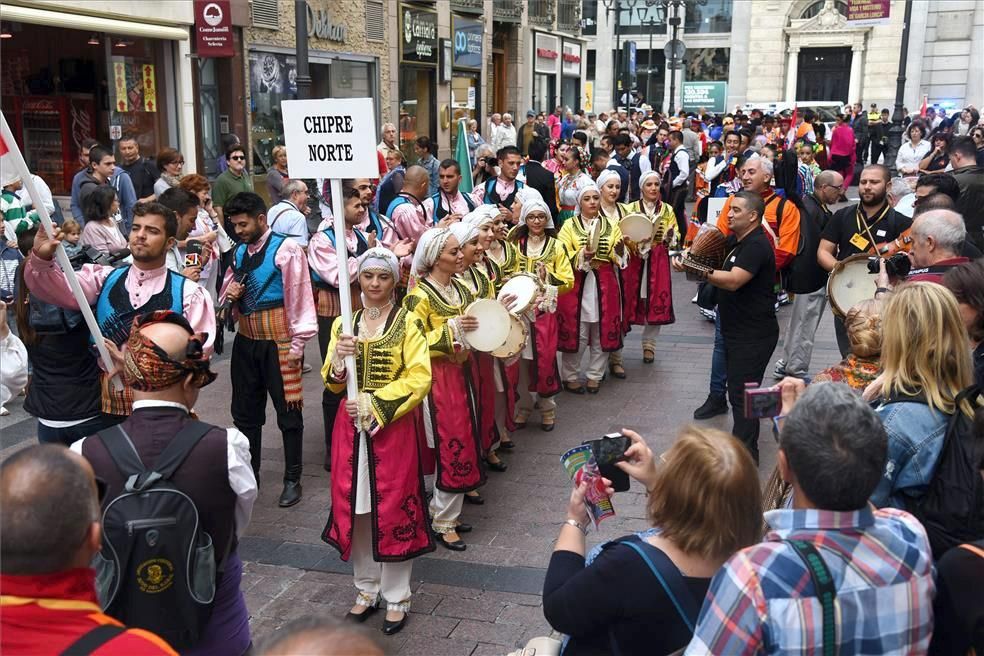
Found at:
(897, 266)
(92, 255)
(491, 160)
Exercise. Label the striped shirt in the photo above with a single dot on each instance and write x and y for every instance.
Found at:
(763, 600)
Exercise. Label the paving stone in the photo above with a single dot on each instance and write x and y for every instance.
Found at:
(472, 609)
(430, 625)
(486, 649)
(499, 634)
(418, 645)
(521, 615)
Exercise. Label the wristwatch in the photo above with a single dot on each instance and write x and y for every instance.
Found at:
(576, 524)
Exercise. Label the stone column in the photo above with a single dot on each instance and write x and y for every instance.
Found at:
(792, 65)
(854, 87)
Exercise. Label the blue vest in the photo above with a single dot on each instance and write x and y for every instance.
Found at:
(115, 314)
(375, 224)
(259, 274)
(440, 212)
(492, 197)
(396, 202)
(361, 247)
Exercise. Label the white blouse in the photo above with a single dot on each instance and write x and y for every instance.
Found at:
(910, 156)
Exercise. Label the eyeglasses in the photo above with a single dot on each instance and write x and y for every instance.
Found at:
(839, 187)
(178, 161)
(238, 158)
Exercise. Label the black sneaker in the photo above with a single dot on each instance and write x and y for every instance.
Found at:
(713, 406)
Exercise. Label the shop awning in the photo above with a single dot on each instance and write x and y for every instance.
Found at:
(34, 16)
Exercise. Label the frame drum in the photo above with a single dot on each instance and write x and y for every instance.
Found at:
(637, 227)
(525, 287)
(493, 325)
(849, 284)
(516, 341)
(594, 235)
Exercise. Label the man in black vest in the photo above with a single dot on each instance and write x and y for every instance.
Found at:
(166, 366)
(678, 174)
(448, 204)
(540, 178)
(501, 190)
(807, 279)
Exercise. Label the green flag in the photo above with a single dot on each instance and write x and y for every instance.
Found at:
(463, 159)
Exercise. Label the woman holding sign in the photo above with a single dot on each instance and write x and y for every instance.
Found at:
(646, 280)
(438, 301)
(378, 516)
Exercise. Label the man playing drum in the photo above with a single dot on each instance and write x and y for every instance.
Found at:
(857, 229)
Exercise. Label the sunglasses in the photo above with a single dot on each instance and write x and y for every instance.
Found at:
(238, 158)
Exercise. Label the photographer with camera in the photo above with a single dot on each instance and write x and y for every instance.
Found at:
(937, 240)
(860, 229)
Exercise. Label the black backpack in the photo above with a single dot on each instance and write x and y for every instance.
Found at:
(952, 508)
(156, 570)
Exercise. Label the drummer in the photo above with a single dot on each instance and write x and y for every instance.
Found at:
(439, 300)
(383, 496)
(482, 366)
(646, 280)
(591, 317)
(535, 376)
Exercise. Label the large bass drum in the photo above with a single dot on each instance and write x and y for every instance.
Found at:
(849, 284)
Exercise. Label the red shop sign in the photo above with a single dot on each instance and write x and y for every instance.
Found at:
(574, 59)
(546, 53)
(213, 28)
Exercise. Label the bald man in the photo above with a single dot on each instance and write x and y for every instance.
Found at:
(408, 215)
(216, 472)
(48, 536)
(316, 636)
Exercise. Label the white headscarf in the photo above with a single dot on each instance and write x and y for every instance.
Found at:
(527, 194)
(645, 176)
(605, 176)
(429, 248)
(380, 259)
(580, 193)
(481, 215)
(534, 205)
(464, 232)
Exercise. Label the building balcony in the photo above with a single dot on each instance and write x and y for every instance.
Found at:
(468, 6)
(569, 16)
(507, 11)
(541, 13)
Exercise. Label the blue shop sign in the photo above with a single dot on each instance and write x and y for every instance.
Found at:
(467, 43)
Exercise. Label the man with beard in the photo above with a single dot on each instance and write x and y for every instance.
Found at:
(121, 295)
(269, 287)
(448, 204)
(858, 228)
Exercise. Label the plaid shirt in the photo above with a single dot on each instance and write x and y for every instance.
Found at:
(763, 600)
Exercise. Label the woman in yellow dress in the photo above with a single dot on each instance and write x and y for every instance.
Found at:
(450, 416)
(590, 318)
(536, 374)
(646, 280)
(378, 516)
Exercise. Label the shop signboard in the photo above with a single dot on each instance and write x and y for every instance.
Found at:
(571, 64)
(547, 51)
(711, 96)
(868, 12)
(213, 28)
(467, 43)
(418, 35)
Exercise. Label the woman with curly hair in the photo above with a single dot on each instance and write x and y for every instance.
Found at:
(574, 178)
(864, 332)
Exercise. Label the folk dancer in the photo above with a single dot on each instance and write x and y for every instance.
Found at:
(449, 204)
(378, 515)
(590, 317)
(501, 190)
(439, 300)
(573, 179)
(536, 376)
(269, 287)
(118, 296)
(647, 285)
(409, 218)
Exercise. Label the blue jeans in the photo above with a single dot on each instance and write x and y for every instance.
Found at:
(72, 434)
(719, 363)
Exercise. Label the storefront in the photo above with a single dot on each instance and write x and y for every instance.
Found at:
(570, 69)
(66, 77)
(466, 36)
(546, 55)
(418, 70)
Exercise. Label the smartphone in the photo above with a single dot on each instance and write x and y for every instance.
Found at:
(762, 403)
(607, 451)
(193, 253)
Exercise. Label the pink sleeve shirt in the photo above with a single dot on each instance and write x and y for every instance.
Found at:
(47, 281)
(302, 318)
(410, 220)
(323, 258)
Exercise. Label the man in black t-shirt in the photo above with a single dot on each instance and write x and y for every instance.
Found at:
(859, 229)
(746, 306)
(143, 172)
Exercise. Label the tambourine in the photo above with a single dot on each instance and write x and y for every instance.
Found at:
(515, 341)
(637, 227)
(594, 235)
(525, 287)
(493, 325)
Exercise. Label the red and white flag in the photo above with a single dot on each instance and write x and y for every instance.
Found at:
(925, 105)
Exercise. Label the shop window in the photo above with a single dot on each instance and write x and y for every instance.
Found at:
(272, 78)
(591, 64)
(417, 112)
(464, 101)
(706, 64)
(710, 18)
(589, 17)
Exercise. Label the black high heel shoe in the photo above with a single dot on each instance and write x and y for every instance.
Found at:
(475, 500)
(359, 618)
(391, 628)
(457, 545)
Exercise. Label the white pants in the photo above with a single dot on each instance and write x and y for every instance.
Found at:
(372, 579)
(524, 406)
(649, 335)
(445, 509)
(570, 363)
(801, 333)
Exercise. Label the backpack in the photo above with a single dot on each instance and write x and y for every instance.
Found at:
(952, 508)
(156, 570)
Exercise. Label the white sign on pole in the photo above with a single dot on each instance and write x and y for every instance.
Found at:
(333, 138)
(714, 207)
(330, 138)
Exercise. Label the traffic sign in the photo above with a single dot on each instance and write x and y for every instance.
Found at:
(674, 49)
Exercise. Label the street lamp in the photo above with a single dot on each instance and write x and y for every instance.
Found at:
(617, 6)
(895, 132)
(650, 23)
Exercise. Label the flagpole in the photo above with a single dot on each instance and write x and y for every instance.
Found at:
(60, 255)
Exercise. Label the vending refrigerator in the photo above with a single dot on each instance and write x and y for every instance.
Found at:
(50, 131)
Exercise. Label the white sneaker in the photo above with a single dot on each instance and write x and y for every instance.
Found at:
(694, 299)
(3, 411)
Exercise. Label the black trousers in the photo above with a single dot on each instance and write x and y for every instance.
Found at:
(747, 361)
(843, 343)
(678, 199)
(861, 151)
(330, 402)
(255, 372)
